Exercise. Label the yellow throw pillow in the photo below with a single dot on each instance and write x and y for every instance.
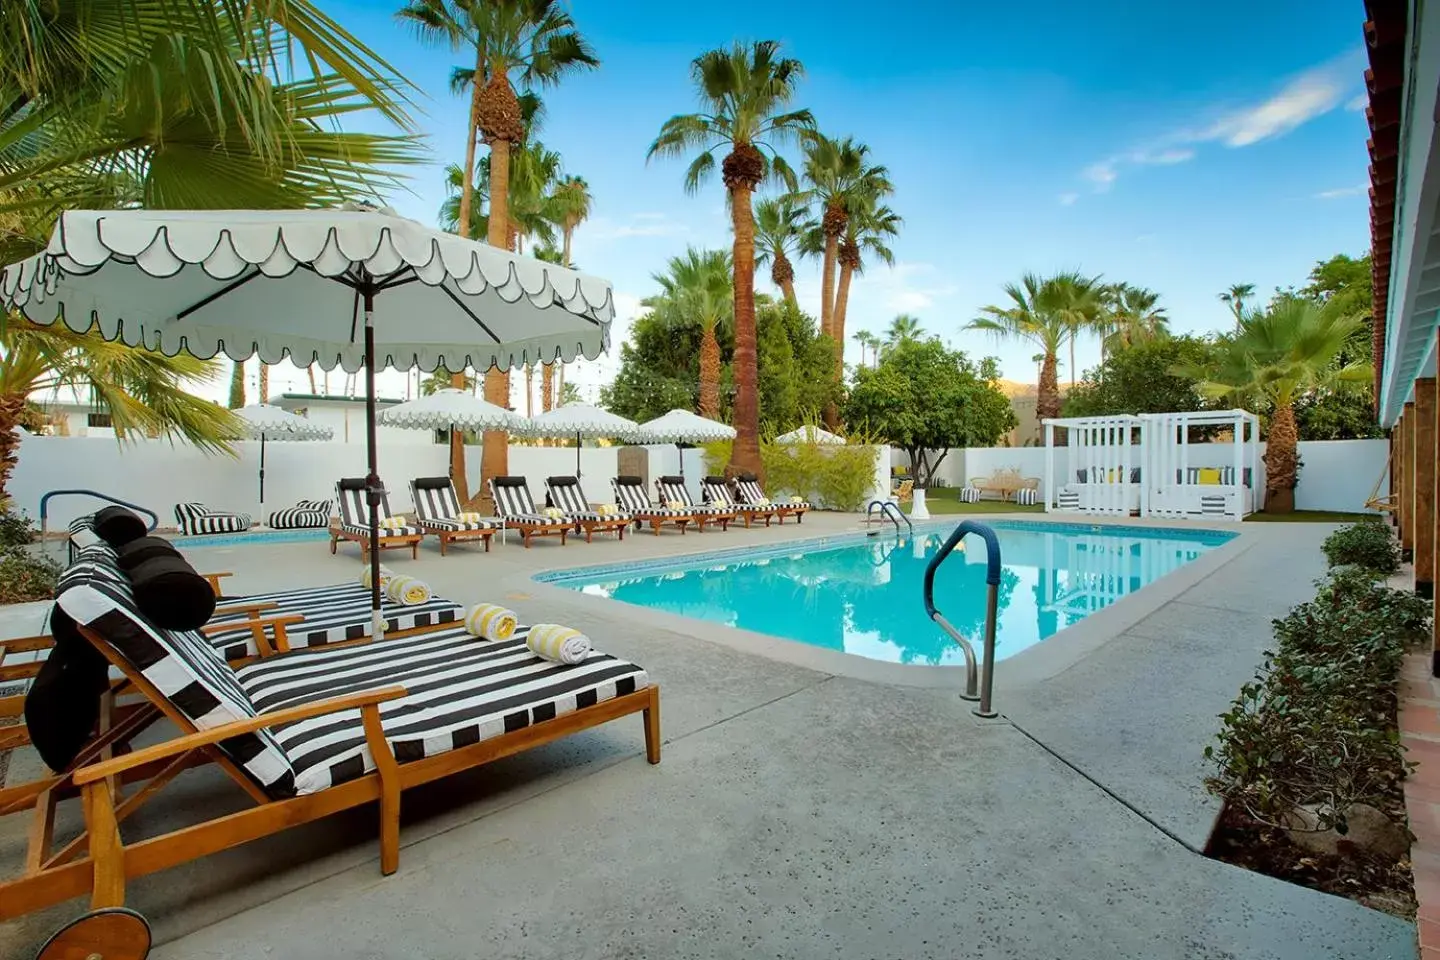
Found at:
(1210, 476)
(392, 523)
(797, 500)
(674, 505)
(606, 509)
(554, 513)
(468, 517)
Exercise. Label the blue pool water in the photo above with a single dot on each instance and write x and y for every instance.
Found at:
(863, 595)
(253, 536)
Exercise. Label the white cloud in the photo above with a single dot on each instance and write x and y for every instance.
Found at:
(1358, 102)
(907, 287)
(1339, 192)
(1068, 199)
(1300, 99)
(637, 225)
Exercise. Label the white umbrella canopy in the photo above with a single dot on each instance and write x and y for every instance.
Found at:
(357, 288)
(810, 434)
(581, 420)
(682, 426)
(452, 409)
(264, 422)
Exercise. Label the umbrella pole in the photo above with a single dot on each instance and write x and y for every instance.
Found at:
(680, 452)
(372, 481)
(577, 454)
(262, 472)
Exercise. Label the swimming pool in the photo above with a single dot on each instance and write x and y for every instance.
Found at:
(252, 536)
(862, 595)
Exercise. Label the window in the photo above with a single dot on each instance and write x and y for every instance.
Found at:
(98, 420)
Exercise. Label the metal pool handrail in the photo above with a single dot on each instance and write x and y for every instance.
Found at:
(45, 506)
(976, 688)
(888, 511)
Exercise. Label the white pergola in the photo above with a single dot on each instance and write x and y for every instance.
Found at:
(1103, 454)
(1181, 482)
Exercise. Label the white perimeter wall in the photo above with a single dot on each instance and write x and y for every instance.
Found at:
(156, 474)
(1336, 475)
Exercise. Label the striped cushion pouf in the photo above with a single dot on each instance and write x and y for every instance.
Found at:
(180, 664)
(1025, 497)
(462, 691)
(299, 518)
(195, 518)
(1213, 506)
(1068, 500)
(332, 614)
(969, 495)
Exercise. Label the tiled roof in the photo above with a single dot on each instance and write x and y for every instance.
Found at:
(1385, 29)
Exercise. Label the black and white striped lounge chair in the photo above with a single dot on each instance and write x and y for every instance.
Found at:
(566, 493)
(354, 521)
(437, 511)
(305, 515)
(717, 490)
(747, 490)
(514, 505)
(303, 735)
(672, 489)
(196, 518)
(630, 495)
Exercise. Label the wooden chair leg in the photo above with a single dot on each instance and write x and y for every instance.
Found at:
(107, 853)
(42, 832)
(389, 772)
(652, 727)
(562, 537)
(443, 541)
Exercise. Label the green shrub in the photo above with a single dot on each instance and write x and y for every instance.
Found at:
(835, 476)
(16, 530)
(27, 576)
(1366, 544)
(1317, 724)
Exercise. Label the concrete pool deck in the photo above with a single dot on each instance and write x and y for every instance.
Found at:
(798, 811)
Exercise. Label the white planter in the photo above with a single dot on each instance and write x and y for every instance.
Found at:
(918, 511)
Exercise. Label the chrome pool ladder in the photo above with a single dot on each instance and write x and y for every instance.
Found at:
(979, 679)
(888, 511)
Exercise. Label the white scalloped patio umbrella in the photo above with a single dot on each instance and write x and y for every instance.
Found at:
(682, 426)
(581, 421)
(452, 409)
(264, 422)
(810, 434)
(355, 288)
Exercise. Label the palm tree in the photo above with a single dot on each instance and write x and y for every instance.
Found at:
(837, 171)
(747, 93)
(777, 232)
(1274, 359)
(143, 391)
(1235, 299)
(867, 226)
(698, 288)
(237, 385)
(1034, 314)
(1133, 317)
(903, 329)
(571, 204)
(866, 339)
(1080, 302)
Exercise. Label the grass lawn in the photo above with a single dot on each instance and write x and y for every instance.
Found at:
(946, 500)
(1307, 516)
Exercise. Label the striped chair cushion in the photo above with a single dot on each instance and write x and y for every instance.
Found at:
(437, 505)
(405, 531)
(299, 518)
(82, 535)
(750, 492)
(969, 495)
(565, 493)
(713, 490)
(355, 513)
(332, 614)
(180, 664)
(194, 518)
(513, 501)
(630, 495)
(674, 488)
(1026, 496)
(319, 506)
(460, 691)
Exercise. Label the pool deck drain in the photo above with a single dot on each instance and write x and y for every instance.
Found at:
(797, 812)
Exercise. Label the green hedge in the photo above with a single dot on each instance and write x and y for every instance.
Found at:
(1367, 544)
(838, 477)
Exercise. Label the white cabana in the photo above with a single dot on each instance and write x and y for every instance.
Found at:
(809, 434)
(1102, 469)
(1189, 480)
(264, 422)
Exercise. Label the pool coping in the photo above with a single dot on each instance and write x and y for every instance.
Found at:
(1037, 663)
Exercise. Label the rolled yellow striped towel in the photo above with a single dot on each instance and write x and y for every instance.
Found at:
(797, 500)
(392, 523)
(407, 591)
(385, 575)
(606, 509)
(469, 517)
(490, 621)
(555, 513)
(561, 644)
(674, 504)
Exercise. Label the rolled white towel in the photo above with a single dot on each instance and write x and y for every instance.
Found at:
(407, 591)
(561, 644)
(385, 574)
(490, 621)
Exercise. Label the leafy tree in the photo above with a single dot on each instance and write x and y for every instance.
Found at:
(1344, 284)
(1337, 415)
(1143, 379)
(1273, 361)
(925, 399)
(746, 93)
(903, 329)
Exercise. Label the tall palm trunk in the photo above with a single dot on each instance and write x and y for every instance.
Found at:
(568, 231)
(1047, 397)
(782, 274)
(237, 385)
(529, 389)
(547, 387)
(832, 222)
(310, 370)
(467, 204)
(743, 169)
(1073, 334)
(502, 125)
(12, 414)
(264, 382)
(709, 373)
(1281, 463)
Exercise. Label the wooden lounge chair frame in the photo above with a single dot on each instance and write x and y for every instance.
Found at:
(393, 541)
(717, 515)
(782, 510)
(589, 525)
(108, 863)
(445, 535)
(649, 515)
(748, 514)
(528, 529)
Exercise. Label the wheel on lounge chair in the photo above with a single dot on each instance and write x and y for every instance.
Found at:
(111, 933)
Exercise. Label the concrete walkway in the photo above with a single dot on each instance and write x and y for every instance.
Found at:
(800, 810)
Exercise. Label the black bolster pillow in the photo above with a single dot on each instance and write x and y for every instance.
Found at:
(171, 594)
(673, 479)
(118, 526)
(136, 552)
(63, 704)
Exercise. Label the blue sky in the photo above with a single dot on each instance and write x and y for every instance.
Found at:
(1182, 147)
